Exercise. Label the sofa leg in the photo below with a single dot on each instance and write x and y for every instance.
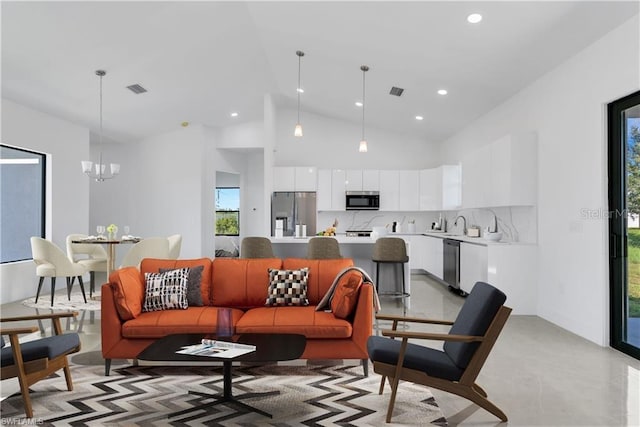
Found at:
(365, 367)
(107, 367)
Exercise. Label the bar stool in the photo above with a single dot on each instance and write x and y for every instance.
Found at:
(390, 250)
(323, 248)
(256, 247)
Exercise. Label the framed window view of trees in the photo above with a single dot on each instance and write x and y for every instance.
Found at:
(227, 211)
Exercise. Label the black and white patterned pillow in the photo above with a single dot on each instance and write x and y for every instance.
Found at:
(287, 287)
(166, 291)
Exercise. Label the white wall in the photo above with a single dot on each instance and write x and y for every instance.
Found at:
(158, 192)
(333, 144)
(68, 196)
(567, 108)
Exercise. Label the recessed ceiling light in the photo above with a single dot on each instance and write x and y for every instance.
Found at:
(442, 92)
(184, 124)
(234, 114)
(419, 118)
(474, 18)
(300, 90)
(358, 104)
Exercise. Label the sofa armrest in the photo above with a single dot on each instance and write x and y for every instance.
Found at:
(111, 324)
(363, 318)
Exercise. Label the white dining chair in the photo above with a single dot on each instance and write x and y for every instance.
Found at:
(152, 247)
(175, 243)
(91, 255)
(52, 262)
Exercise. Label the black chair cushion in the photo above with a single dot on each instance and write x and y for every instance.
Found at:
(433, 362)
(474, 318)
(2, 343)
(49, 347)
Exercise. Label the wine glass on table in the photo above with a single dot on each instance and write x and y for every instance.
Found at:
(126, 230)
(100, 229)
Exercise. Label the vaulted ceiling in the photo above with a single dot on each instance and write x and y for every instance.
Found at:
(200, 61)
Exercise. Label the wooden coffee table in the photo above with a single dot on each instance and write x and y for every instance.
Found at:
(269, 348)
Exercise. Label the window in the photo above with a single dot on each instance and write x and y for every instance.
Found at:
(227, 211)
(22, 212)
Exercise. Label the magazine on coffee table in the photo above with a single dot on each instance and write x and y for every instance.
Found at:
(213, 348)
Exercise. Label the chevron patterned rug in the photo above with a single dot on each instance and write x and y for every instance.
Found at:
(147, 396)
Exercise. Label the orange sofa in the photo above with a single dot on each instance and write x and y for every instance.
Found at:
(239, 284)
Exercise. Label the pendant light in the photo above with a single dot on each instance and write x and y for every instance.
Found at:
(363, 142)
(298, 129)
(100, 168)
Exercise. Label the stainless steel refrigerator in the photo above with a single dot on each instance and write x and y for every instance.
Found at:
(293, 208)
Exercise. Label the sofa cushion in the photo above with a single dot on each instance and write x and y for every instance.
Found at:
(128, 290)
(241, 283)
(166, 291)
(293, 320)
(321, 274)
(153, 265)
(194, 294)
(287, 287)
(157, 324)
(345, 297)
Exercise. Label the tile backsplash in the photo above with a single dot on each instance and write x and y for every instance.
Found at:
(517, 223)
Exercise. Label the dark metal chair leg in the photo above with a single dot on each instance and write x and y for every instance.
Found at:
(82, 288)
(92, 285)
(53, 288)
(40, 282)
(365, 367)
(69, 285)
(377, 276)
(107, 367)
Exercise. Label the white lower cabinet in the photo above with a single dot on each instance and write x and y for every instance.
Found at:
(473, 265)
(433, 255)
(418, 252)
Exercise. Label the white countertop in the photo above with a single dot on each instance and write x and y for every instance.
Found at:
(343, 239)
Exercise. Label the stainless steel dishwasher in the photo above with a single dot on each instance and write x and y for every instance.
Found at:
(451, 263)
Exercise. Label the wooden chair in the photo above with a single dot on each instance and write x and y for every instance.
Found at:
(453, 369)
(34, 360)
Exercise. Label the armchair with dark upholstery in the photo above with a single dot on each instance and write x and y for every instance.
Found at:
(453, 369)
(34, 360)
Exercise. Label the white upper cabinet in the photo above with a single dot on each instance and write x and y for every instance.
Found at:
(503, 173)
(338, 189)
(324, 195)
(306, 178)
(353, 180)
(389, 190)
(299, 178)
(284, 178)
(440, 188)
(409, 191)
(362, 180)
(371, 180)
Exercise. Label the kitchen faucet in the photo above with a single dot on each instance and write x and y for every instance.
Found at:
(464, 224)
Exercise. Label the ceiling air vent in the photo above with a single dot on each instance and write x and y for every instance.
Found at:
(137, 89)
(397, 91)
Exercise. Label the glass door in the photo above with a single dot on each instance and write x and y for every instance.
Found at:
(624, 223)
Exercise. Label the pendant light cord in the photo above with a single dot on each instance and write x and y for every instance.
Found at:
(298, 88)
(101, 74)
(364, 71)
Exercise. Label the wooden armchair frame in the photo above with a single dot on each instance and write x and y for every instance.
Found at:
(28, 373)
(466, 387)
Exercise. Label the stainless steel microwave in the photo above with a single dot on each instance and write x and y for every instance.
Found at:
(362, 200)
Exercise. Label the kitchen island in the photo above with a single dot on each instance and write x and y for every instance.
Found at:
(359, 249)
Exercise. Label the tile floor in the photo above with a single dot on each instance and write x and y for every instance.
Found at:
(538, 373)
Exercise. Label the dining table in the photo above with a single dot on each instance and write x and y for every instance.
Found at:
(111, 247)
